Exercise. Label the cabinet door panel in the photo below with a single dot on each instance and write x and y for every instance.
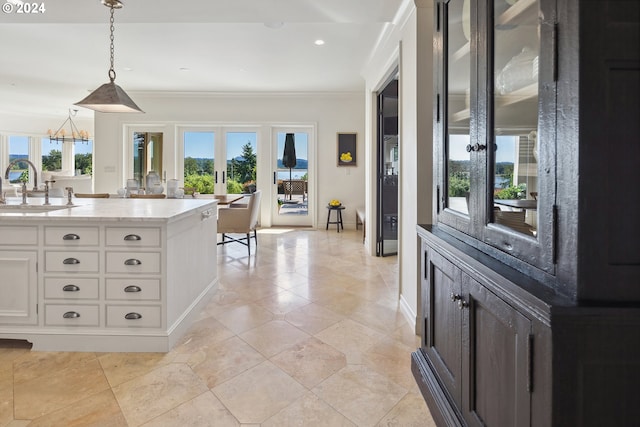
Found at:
(444, 328)
(496, 360)
(18, 287)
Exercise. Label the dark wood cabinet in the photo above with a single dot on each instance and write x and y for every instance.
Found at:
(530, 282)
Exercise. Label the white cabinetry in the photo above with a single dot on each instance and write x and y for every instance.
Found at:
(107, 283)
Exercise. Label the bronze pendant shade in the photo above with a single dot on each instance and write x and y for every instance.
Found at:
(110, 98)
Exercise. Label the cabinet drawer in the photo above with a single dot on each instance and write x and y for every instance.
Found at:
(71, 236)
(133, 262)
(133, 289)
(71, 261)
(71, 288)
(133, 237)
(12, 235)
(71, 315)
(133, 316)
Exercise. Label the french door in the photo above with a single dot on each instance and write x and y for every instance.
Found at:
(219, 160)
(292, 201)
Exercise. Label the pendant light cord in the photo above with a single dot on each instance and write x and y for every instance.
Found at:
(112, 71)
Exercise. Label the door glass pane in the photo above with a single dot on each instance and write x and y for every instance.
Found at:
(292, 173)
(515, 167)
(458, 81)
(147, 155)
(19, 149)
(199, 161)
(52, 154)
(241, 162)
(83, 157)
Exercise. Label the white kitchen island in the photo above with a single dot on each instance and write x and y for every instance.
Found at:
(105, 275)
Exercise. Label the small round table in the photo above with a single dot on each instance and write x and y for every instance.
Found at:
(338, 222)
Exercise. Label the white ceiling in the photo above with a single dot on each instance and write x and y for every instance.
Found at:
(50, 60)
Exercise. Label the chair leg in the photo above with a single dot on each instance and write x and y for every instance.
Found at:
(249, 244)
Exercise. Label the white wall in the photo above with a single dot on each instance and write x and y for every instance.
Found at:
(329, 112)
(409, 45)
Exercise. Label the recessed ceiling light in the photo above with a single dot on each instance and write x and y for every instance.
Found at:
(319, 42)
(184, 69)
(128, 69)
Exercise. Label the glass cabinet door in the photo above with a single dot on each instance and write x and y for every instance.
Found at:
(457, 70)
(516, 50)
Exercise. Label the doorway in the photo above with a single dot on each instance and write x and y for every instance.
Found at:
(292, 202)
(387, 170)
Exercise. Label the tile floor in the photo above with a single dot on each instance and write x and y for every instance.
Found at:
(305, 332)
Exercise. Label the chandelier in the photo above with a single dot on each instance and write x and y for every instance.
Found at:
(74, 135)
(110, 98)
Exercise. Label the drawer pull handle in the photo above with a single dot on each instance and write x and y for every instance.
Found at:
(71, 315)
(71, 288)
(133, 316)
(132, 237)
(133, 288)
(71, 236)
(71, 261)
(132, 261)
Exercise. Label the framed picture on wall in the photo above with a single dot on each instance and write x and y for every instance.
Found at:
(347, 149)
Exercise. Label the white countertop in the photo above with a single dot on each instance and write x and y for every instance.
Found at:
(112, 209)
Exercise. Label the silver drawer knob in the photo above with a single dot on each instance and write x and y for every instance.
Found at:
(71, 236)
(133, 288)
(70, 288)
(133, 316)
(132, 237)
(132, 261)
(71, 261)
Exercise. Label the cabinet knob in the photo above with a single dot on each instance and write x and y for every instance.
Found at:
(133, 288)
(71, 288)
(71, 236)
(132, 237)
(132, 261)
(462, 304)
(71, 315)
(71, 261)
(133, 316)
(455, 297)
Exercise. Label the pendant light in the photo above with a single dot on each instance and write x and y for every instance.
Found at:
(110, 98)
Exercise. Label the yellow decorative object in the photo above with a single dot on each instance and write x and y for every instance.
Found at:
(334, 202)
(346, 157)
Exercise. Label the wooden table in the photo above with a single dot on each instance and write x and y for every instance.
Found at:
(227, 199)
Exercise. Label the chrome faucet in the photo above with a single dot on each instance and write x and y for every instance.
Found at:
(69, 195)
(24, 194)
(46, 192)
(35, 172)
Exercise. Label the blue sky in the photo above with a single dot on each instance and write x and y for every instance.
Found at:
(201, 144)
(20, 145)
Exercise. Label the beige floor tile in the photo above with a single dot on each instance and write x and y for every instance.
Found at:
(411, 411)
(203, 333)
(38, 364)
(360, 394)
(6, 401)
(273, 337)
(244, 317)
(224, 361)
(122, 367)
(351, 338)
(379, 317)
(310, 362)
(99, 410)
(308, 411)
(312, 318)
(157, 392)
(259, 393)
(202, 411)
(283, 302)
(59, 388)
(392, 359)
